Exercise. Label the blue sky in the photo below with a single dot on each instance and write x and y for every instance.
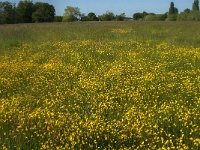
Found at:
(117, 6)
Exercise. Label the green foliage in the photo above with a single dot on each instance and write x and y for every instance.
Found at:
(92, 17)
(108, 16)
(194, 16)
(173, 13)
(71, 14)
(173, 9)
(7, 13)
(156, 17)
(120, 17)
(25, 11)
(183, 16)
(83, 17)
(187, 10)
(43, 12)
(163, 16)
(69, 18)
(195, 6)
(188, 15)
(172, 17)
(137, 16)
(140, 16)
(58, 18)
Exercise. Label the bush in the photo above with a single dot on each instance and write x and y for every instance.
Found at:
(69, 18)
(183, 16)
(120, 17)
(194, 16)
(171, 17)
(58, 19)
(189, 16)
(154, 17)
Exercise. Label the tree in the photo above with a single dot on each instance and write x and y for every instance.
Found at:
(187, 10)
(108, 16)
(92, 17)
(140, 16)
(194, 16)
(195, 6)
(173, 9)
(7, 13)
(120, 17)
(173, 12)
(43, 12)
(137, 16)
(25, 10)
(163, 17)
(71, 14)
(83, 17)
(185, 15)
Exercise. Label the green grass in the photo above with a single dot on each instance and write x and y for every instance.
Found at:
(178, 33)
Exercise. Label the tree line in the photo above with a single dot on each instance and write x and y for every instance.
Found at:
(173, 14)
(28, 12)
(74, 14)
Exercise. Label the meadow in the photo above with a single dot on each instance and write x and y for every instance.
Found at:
(100, 85)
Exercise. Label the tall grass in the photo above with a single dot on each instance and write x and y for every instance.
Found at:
(178, 33)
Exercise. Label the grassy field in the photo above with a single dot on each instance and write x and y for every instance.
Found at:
(100, 85)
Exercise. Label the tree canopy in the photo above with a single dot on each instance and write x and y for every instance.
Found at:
(43, 12)
(71, 14)
(108, 16)
(27, 12)
(195, 6)
(92, 17)
(7, 13)
(173, 9)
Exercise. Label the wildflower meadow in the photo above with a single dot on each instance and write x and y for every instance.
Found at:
(100, 85)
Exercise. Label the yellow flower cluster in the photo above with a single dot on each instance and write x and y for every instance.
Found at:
(100, 95)
(122, 31)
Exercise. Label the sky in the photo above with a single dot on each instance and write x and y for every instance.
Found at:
(129, 7)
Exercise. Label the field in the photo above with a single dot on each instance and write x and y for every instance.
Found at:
(100, 85)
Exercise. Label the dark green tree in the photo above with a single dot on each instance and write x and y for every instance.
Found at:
(83, 17)
(173, 9)
(195, 6)
(25, 11)
(140, 16)
(58, 18)
(120, 17)
(187, 10)
(7, 13)
(92, 17)
(43, 12)
(108, 16)
(137, 16)
(173, 13)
